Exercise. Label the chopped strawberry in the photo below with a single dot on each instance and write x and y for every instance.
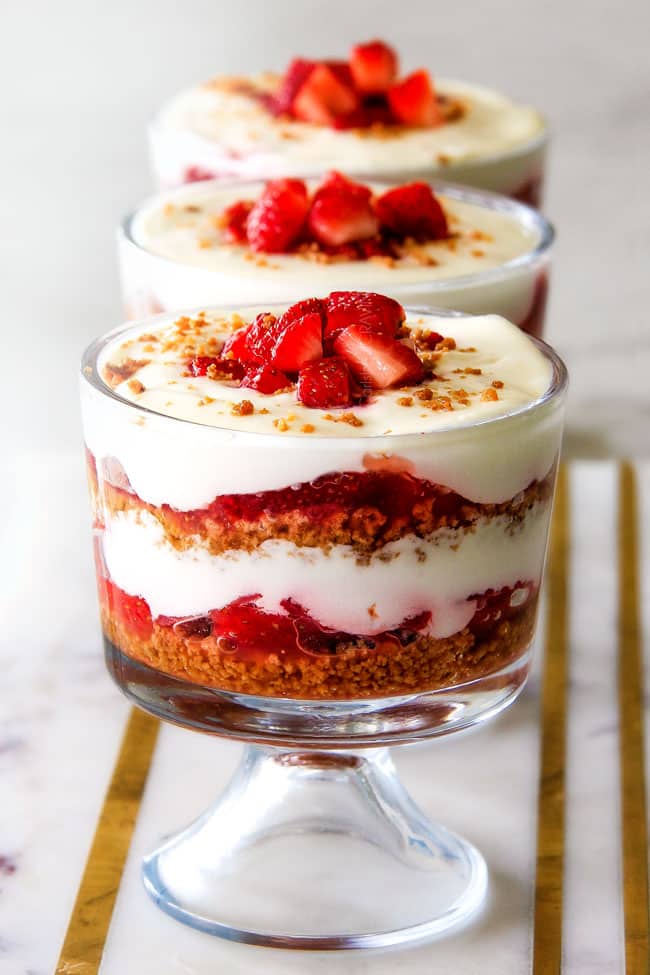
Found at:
(412, 211)
(342, 211)
(413, 100)
(373, 66)
(278, 216)
(325, 384)
(235, 218)
(266, 379)
(236, 346)
(197, 174)
(302, 308)
(323, 97)
(378, 312)
(294, 78)
(300, 342)
(215, 367)
(377, 359)
(260, 338)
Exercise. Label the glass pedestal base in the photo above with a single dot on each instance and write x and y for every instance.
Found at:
(318, 850)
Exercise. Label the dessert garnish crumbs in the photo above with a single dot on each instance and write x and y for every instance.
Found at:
(424, 394)
(405, 401)
(281, 424)
(264, 411)
(307, 428)
(446, 345)
(204, 243)
(497, 383)
(489, 394)
(470, 348)
(135, 386)
(372, 611)
(244, 408)
(116, 374)
(477, 252)
(349, 418)
(168, 209)
(205, 401)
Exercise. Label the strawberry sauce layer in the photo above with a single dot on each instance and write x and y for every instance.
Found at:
(364, 509)
(243, 631)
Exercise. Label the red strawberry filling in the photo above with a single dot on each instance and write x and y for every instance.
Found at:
(342, 218)
(244, 630)
(359, 93)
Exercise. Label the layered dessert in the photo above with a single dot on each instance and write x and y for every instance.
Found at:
(334, 500)
(216, 242)
(362, 115)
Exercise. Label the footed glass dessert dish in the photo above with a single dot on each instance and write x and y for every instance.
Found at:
(320, 530)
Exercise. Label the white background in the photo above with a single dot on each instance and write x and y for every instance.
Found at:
(79, 80)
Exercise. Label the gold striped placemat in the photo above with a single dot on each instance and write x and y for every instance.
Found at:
(91, 916)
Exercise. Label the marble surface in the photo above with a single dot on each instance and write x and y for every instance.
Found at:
(62, 721)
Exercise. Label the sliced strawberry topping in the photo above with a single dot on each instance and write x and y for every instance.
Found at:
(325, 384)
(294, 78)
(215, 367)
(413, 100)
(277, 218)
(323, 97)
(132, 612)
(412, 211)
(298, 343)
(342, 211)
(302, 308)
(377, 359)
(235, 218)
(266, 379)
(236, 345)
(379, 312)
(373, 66)
(260, 338)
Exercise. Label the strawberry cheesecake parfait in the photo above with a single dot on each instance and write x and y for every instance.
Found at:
(320, 528)
(363, 115)
(453, 247)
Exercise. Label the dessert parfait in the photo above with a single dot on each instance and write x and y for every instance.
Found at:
(215, 242)
(335, 501)
(363, 115)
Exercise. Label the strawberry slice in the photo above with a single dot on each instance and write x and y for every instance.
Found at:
(266, 379)
(323, 97)
(302, 308)
(378, 312)
(260, 339)
(215, 367)
(376, 359)
(298, 343)
(236, 346)
(325, 384)
(412, 211)
(341, 212)
(413, 100)
(294, 78)
(235, 218)
(373, 66)
(278, 216)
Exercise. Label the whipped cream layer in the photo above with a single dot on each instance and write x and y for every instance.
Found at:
(226, 112)
(188, 464)
(364, 597)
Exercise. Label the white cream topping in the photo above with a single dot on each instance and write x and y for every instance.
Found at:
(488, 349)
(184, 227)
(339, 590)
(492, 124)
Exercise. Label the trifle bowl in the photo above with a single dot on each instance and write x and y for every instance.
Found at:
(320, 530)
(363, 115)
(426, 244)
